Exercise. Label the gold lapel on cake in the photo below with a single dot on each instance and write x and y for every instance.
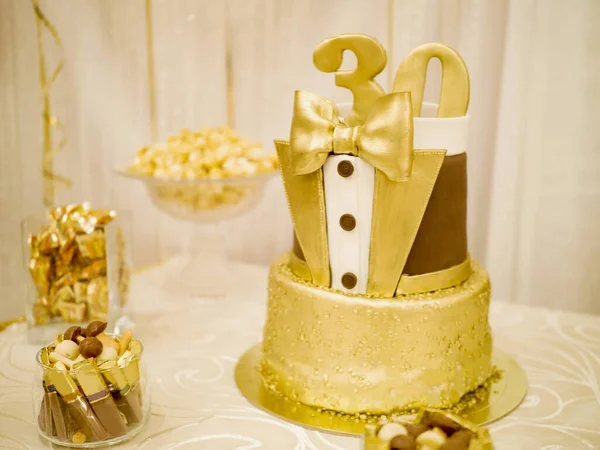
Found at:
(299, 267)
(306, 200)
(398, 208)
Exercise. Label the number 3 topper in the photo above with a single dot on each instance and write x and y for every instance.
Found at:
(370, 61)
(455, 91)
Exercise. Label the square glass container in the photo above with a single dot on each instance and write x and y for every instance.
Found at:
(76, 270)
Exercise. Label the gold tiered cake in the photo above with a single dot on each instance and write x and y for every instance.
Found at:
(378, 306)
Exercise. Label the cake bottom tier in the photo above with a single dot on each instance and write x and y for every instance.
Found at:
(354, 353)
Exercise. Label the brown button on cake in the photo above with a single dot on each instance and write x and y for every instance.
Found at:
(345, 168)
(349, 280)
(347, 222)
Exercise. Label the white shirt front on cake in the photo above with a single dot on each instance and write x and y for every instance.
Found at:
(353, 194)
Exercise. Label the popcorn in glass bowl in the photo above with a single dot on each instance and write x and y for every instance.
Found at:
(204, 175)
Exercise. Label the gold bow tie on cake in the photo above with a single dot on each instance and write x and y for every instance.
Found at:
(384, 140)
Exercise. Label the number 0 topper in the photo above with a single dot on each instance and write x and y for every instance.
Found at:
(455, 92)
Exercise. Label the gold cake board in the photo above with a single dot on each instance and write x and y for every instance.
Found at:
(504, 394)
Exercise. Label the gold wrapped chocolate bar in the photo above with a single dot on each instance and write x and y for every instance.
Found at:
(431, 430)
(76, 258)
(92, 389)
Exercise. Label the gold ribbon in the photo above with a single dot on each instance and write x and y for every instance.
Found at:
(50, 122)
(151, 77)
(7, 323)
(384, 140)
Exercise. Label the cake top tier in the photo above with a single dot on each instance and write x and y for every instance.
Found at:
(378, 194)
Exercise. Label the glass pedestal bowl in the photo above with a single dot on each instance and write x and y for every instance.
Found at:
(203, 271)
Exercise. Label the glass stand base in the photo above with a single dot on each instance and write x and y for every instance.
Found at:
(203, 275)
(203, 270)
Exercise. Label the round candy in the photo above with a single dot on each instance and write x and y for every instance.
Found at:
(72, 333)
(90, 347)
(415, 429)
(390, 431)
(68, 349)
(460, 440)
(95, 328)
(403, 442)
(432, 439)
(439, 420)
(108, 353)
(107, 341)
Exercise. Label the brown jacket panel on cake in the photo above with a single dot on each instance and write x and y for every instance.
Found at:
(442, 238)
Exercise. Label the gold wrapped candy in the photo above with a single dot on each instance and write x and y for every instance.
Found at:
(68, 265)
(431, 428)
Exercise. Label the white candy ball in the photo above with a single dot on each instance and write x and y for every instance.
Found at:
(432, 439)
(108, 353)
(390, 430)
(68, 349)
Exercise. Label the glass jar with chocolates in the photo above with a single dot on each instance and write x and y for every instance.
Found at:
(77, 269)
(90, 388)
(430, 430)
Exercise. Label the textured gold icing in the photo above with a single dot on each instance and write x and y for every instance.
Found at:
(358, 353)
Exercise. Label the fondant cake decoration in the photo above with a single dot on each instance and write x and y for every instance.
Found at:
(455, 90)
(306, 201)
(370, 61)
(387, 206)
(393, 229)
(384, 140)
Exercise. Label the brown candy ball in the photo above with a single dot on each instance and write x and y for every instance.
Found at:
(459, 440)
(95, 328)
(72, 333)
(90, 347)
(438, 420)
(403, 443)
(415, 429)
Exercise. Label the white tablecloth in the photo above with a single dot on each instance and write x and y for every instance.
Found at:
(192, 346)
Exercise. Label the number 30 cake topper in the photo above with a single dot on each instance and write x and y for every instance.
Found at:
(411, 75)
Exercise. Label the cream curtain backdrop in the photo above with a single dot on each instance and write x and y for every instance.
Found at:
(534, 156)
